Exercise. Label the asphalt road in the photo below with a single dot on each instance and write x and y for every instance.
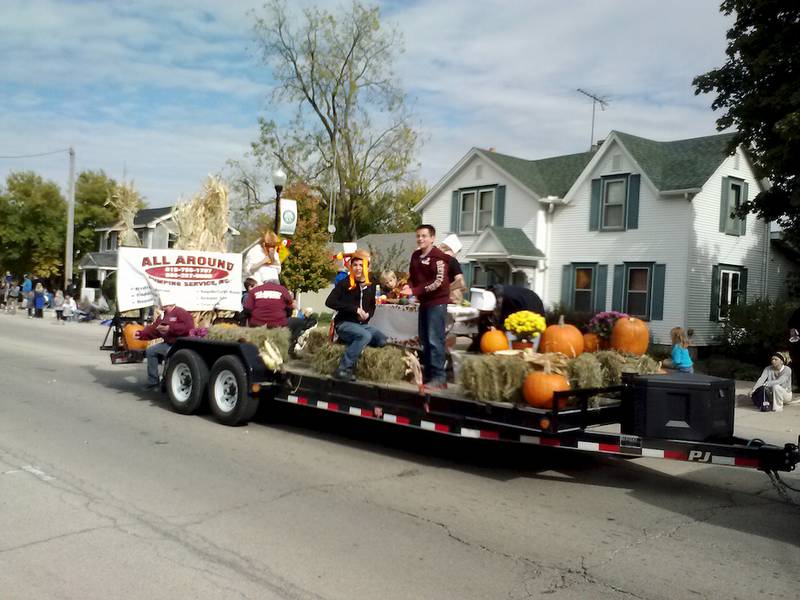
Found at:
(106, 493)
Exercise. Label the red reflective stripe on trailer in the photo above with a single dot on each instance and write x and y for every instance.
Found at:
(365, 412)
(402, 420)
(332, 406)
(490, 435)
(302, 400)
(675, 455)
(550, 442)
(742, 461)
(441, 428)
(609, 448)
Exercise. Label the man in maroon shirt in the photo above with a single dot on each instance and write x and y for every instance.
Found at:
(428, 281)
(268, 304)
(173, 323)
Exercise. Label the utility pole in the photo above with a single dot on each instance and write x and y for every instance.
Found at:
(603, 104)
(70, 219)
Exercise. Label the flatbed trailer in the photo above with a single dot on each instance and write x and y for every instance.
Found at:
(233, 380)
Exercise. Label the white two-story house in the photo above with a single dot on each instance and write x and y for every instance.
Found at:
(634, 225)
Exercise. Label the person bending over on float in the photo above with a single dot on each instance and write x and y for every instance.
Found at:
(173, 323)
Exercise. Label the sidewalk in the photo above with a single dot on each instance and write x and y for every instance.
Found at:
(774, 427)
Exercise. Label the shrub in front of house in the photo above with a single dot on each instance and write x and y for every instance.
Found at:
(754, 330)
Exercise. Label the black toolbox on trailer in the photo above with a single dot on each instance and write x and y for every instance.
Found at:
(678, 406)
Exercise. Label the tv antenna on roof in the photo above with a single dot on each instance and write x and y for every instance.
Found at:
(595, 99)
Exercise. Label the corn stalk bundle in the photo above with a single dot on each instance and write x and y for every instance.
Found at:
(126, 201)
(202, 222)
(278, 337)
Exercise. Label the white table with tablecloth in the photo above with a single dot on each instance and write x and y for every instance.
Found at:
(399, 322)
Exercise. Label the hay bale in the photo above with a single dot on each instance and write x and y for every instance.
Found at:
(382, 365)
(495, 378)
(616, 363)
(585, 371)
(279, 337)
(313, 339)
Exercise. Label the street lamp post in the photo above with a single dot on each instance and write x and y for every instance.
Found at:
(278, 179)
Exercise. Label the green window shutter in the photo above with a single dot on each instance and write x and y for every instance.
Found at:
(657, 300)
(632, 218)
(601, 277)
(619, 288)
(500, 206)
(742, 295)
(455, 211)
(714, 315)
(467, 269)
(567, 286)
(743, 222)
(723, 204)
(594, 210)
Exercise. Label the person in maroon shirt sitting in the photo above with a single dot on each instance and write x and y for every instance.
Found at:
(173, 323)
(428, 281)
(268, 305)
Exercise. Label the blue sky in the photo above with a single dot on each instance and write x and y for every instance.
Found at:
(169, 94)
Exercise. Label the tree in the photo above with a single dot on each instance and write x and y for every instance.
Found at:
(92, 190)
(309, 266)
(758, 90)
(33, 217)
(352, 129)
(390, 211)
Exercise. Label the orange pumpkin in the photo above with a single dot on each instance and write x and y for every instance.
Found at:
(630, 335)
(563, 338)
(493, 340)
(539, 387)
(131, 341)
(591, 342)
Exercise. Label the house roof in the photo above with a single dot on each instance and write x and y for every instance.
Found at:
(148, 215)
(546, 176)
(504, 242)
(680, 164)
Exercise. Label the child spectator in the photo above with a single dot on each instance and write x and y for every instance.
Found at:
(679, 358)
(58, 304)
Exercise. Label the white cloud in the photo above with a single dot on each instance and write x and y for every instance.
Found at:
(171, 91)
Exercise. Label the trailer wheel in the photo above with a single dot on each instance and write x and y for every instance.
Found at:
(227, 392)
(186, 377)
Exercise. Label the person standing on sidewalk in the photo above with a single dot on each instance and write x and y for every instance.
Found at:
(27, 294)
(428, 281)
(353, 299)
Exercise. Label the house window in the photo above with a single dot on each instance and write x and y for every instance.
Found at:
(583, 294)
(484, 275)
(637, 291)
(613, 210)
(172, 238)
(477, 210)
(734, 202)
(729, 290)
(112, 240)
(734, 195)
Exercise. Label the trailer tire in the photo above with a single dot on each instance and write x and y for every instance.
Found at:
(186, 379)
(228, 394)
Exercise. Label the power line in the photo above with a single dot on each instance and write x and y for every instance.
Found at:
(40, 154)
